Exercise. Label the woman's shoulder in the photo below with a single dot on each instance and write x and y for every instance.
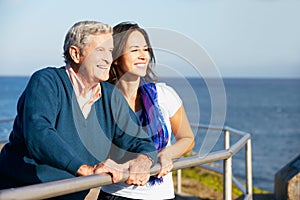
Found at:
(165, 89)
(168, 98)
(163, 86)
(167, 93)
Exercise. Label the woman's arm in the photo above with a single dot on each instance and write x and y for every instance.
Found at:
(184, 141)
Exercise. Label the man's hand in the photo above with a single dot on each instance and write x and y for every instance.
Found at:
(112, 168)
(139, 170)
(85, 170)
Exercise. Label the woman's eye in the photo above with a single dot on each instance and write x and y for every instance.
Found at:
(133, 50)
(146, 49)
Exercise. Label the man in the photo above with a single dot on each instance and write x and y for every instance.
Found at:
(69, 121)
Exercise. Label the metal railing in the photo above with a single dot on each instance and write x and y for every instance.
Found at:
(228, 178)
(6, 120)
(67, 186)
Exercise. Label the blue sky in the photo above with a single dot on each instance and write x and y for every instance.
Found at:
(244, 38)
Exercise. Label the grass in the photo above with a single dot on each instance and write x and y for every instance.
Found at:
(211, 182)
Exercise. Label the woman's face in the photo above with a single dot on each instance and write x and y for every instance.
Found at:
(136, 56)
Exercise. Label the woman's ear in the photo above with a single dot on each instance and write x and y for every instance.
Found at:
(75, 54)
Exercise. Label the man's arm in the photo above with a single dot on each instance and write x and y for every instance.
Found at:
(39, 107)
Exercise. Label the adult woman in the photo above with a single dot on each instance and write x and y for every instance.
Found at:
(157, 105)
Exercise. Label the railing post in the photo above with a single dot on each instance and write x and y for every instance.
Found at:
(179, 181)
(248, 152)
(227, 166)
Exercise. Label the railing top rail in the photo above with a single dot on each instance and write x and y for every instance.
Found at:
(204, 126)
(219, 128)
(235, 131)
(6, 120)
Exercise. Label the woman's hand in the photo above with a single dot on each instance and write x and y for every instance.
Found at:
(139, 170)
(165, 160)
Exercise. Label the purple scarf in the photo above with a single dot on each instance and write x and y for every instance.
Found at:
(152, 120)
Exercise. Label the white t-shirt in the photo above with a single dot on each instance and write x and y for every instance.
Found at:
(169, 103)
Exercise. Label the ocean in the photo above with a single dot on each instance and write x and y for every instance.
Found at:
(268, 109)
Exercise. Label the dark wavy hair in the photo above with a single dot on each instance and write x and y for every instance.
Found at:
(121, 33)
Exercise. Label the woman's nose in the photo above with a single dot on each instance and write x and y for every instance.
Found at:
(143, 55)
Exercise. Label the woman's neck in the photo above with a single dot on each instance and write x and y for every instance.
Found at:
(129, 89)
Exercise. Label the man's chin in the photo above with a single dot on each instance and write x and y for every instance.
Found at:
(102, 79)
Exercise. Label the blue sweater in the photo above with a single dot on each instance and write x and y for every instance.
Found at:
(51, 139)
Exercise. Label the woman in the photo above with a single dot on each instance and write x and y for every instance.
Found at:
(158, 107)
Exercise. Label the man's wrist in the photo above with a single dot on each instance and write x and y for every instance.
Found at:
(148, 157)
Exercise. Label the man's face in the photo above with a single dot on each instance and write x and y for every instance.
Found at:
(96, 58)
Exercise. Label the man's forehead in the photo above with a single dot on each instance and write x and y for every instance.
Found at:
(104, 38)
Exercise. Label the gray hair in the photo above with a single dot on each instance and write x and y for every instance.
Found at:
(79, 33)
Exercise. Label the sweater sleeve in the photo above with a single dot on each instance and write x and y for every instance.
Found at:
(41, 105)
(130, 136)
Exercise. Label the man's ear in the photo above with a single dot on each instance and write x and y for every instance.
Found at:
(75, 54)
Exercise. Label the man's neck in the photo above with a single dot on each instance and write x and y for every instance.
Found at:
(87, 84)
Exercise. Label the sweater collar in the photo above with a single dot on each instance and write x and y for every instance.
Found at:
(79, 87)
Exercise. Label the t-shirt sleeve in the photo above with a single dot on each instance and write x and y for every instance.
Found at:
(169, 98)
